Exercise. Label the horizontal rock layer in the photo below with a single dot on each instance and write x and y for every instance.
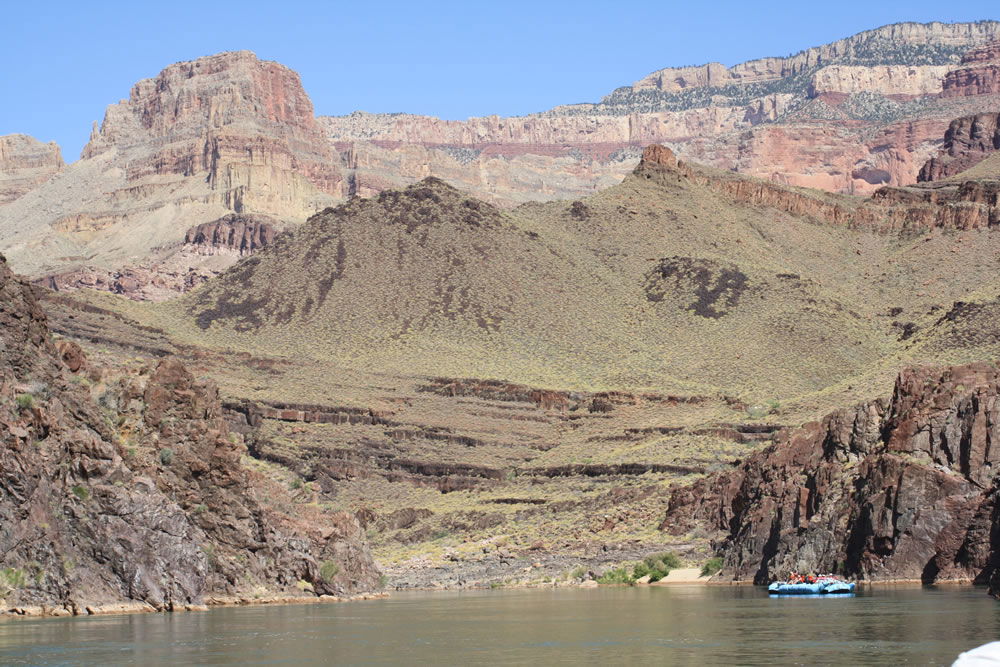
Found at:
(25, 163)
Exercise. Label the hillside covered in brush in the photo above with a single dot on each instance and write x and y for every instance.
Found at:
(681, 277)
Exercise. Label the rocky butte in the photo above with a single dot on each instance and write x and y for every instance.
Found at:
(226, 134)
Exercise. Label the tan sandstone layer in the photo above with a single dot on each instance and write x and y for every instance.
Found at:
(218, 135)
(25, 163)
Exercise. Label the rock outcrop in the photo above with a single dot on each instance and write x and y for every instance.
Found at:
(141, 502)
(967, 142)
(225, 134)
(836, 83)
(233, 234)
(888, 490)
(952, 206)
(979, 74)
(25, 163)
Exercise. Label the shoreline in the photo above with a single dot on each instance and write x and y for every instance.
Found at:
(685, 578)
(216, 601)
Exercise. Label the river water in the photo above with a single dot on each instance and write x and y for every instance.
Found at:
(704, 625)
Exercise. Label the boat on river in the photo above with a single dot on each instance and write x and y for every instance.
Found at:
(825, 584)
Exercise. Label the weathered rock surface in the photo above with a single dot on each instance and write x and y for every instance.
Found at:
(858, 47)
(967, 142)
(889, 490)
(952, 206)
(141, 503)
(900, 82)
(979, 74)
(208, 249)
(234, 234)
(25, 163)
(225, 134)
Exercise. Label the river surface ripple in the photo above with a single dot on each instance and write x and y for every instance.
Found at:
(704, 625)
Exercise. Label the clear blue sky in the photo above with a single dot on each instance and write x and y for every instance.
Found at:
(64, 62)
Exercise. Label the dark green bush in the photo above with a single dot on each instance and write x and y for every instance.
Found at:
(617, 576)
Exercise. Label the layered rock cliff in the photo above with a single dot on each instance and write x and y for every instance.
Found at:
(230, 134)
(25, 163)
(219, 135)
(978, 75)
(137, 500)
(916, 41)
(950, 206)
(902, 489)
(967, 142)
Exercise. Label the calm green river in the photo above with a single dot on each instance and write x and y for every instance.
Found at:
(693, 626)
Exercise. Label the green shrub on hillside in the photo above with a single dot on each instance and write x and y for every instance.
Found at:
(656, 567)
(711, 566)
(328, 570)
(24, 401)
(617, 576)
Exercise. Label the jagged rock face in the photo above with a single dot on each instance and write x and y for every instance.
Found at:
(236, 234)
(979, 75)
(25, 163)
(886, 490)
(219, 135)
(207, 250)
(232, 114)
(89, 523)
(967, 142)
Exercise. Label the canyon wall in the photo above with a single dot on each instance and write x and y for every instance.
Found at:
(850, 116)
(234, 135)
(861, 47)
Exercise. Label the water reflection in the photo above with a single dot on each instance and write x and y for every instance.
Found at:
(696, 625)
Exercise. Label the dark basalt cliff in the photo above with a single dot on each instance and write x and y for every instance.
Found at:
(138, 500)
(897, 490)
